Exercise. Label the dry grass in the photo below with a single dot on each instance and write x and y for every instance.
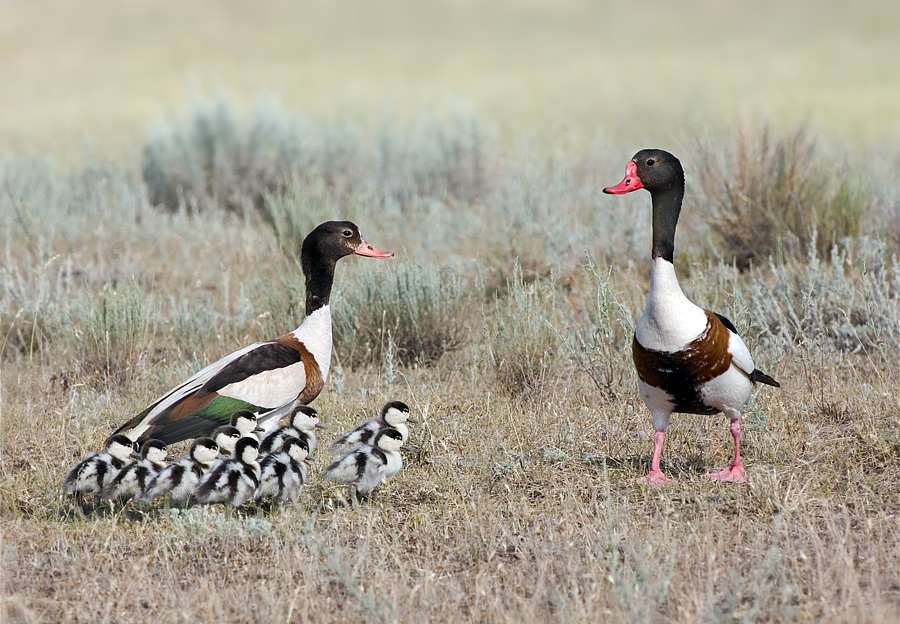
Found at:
(510, 512)
(519, 504)
(747, 184)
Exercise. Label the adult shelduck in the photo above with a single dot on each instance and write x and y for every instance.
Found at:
(267, 377)
(688, 359)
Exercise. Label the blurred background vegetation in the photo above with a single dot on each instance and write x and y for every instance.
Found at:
(99, 73)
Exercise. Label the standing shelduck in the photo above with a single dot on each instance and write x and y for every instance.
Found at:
(266, 378)
(688, 359)
(394, 414)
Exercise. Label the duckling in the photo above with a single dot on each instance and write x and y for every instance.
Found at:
(93, 473)
(181, 478)
(233, 482)
(245, 422)
(225, 438)
(133, 479)
(304, 420)
(283, 474)
(367, 466)
(394, 414)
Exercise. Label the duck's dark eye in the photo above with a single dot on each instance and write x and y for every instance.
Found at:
(348, 233)
(650, 162)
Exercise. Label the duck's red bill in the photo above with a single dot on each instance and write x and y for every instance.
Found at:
(365, 249)
(631, 182)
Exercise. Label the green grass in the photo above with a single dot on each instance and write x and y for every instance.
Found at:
(511, 345)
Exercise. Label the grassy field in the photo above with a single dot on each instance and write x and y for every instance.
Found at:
(504, 321)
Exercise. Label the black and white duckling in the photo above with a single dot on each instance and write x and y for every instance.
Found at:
(96, 471)
(182, 477)
(394, 414)
(303, 422)
(367, 466)
(233, 482)
(245, 422)
(133, 479)
(226, 438)
(283, 474)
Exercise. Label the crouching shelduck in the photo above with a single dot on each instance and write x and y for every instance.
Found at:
(367, 466)
(180, 478)
(283, 474)
(304, 420)
(232, 482)
(688, 359)
(394, 414)
(266, 378)
(96, 471)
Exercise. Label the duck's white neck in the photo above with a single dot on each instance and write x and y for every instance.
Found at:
(669, 320)
(315, 333)
(664, 287)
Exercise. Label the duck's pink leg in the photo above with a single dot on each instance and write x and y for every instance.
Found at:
(735, 472)
(656, 476)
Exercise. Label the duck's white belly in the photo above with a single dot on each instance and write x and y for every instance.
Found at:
(728, 392)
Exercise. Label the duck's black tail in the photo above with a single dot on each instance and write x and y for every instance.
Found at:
(757, 376)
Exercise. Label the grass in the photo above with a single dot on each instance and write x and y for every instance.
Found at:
(420, 310)
(510, 344)
(521, 341)
(748, 183)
